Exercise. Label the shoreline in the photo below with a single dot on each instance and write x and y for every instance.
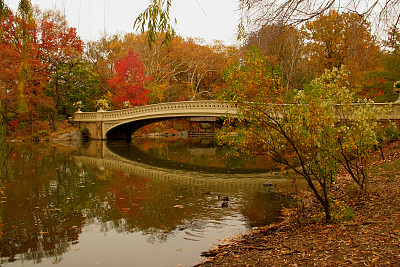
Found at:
(371, 238)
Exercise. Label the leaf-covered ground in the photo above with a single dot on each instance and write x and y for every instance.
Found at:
(372, 238)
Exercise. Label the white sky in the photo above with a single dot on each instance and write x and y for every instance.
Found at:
(207, 19)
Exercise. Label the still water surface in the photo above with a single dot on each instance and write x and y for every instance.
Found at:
(152, 202)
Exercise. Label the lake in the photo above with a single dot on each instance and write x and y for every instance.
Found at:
(148, 202)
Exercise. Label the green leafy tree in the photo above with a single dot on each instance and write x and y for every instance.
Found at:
(76, 81)
(154, 19)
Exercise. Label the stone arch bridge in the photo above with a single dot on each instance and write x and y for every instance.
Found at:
(120, 124)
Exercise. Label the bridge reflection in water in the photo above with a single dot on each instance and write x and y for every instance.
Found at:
(103, 157)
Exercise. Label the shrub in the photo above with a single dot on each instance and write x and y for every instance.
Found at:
(41, 134)
(392, 133)
(85, 133)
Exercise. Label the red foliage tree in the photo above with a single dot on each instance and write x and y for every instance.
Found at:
(128, 82)
(10, 61)
(32, 51)
(58, 45)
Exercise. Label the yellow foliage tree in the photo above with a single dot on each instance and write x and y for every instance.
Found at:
(337, 39)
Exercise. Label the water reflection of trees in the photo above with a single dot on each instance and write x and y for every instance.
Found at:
(37, 222)
(52, 198)
(5, 170)
(134, 204)
(264, 209)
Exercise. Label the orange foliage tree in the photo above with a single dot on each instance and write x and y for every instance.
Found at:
(337, 39)
(59, 45)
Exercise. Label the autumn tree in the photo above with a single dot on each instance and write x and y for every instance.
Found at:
(23, 70)
(202, 69)
(10, 63)
(129, 81)
(39, 49)
(6, 48)
(337, 39)
(379, 83)
(253, 80)
(25, 33)
(30, 81)
(312, 136)
(187, 69)
(103, 55)
(59, 48)
(282, 46)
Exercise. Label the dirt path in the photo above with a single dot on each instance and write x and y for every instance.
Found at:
(371, 239)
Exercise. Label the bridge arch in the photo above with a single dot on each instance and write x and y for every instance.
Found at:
(120, 124)
(125, 129)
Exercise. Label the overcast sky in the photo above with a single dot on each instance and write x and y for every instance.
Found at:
(207, 19)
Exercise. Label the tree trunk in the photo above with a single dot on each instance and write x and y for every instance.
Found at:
(327, 211)
(53, 122)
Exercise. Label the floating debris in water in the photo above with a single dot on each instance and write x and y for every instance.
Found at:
(268, 184)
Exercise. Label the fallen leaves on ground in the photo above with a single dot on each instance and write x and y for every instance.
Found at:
(371, 239)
